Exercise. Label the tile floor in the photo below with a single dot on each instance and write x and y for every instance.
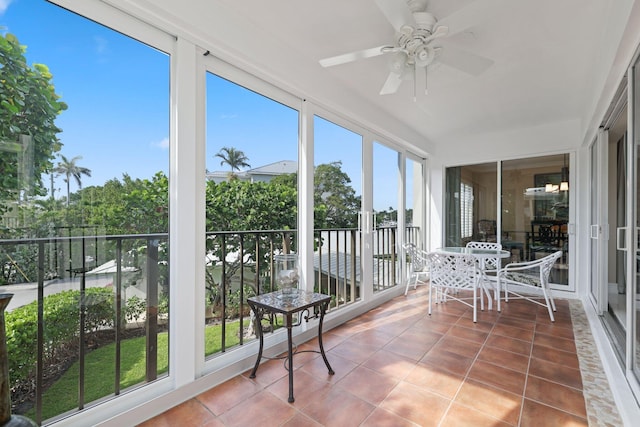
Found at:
(398, 366)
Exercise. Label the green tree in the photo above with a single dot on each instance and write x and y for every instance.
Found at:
(334, 197)
(28, 107)
(234, 158)
(70, 169)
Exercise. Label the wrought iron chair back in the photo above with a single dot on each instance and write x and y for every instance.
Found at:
(488, 264)
(533, 275)
(418, 265)
(452, 273)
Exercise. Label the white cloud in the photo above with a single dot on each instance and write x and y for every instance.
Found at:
(162, 144)
(4, 4)
(102, 48)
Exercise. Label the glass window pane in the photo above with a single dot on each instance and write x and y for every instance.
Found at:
(251, 204)
(386, 183)
(535, 210)
(87, 155)
(471, 202)
(337, 200)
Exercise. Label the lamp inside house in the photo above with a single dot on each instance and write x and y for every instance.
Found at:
(564, 183)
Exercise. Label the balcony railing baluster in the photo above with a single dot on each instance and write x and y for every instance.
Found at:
(152, 310)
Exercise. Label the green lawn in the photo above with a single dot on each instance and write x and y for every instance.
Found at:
(100, 369)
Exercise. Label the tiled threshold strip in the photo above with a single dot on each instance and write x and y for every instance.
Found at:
(601, 408)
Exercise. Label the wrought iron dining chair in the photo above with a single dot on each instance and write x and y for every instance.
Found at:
(533, 276)
(454, 276)
(417, 265)
(489, 268)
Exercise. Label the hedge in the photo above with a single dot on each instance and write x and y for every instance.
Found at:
(61, 327)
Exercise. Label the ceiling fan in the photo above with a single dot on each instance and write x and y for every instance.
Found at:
(416, 46)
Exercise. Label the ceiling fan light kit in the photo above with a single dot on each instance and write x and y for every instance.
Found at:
(416, 33)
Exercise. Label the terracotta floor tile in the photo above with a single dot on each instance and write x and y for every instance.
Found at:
(468, 334)
(509, 344)
(268, 372)
(190, 412)
(390, 364)
(459, 346)
(394, 327)
(561, 397)
(444, 318)
(428, 323)
(409, 348)
(273, 412)
(518, 323)
(480, 325)
(513, 332)
(416, 404)
(555, 355)
(554, 342)
(381, 418)
(524, 311)
(504, 358)
(338, 407)
(301, 420)
(329, 340)
(356, 352)
(497, 376)
(318, 370)
(490, 401)
(213, 423)
(435, 379)
(421, 335)
(556, 373)
(555, 330)
(372, 337)
(228, 394)
(536, 414)
(349, 328)
(368, 385)
(463, 416)
(305, 387)
(446, 360)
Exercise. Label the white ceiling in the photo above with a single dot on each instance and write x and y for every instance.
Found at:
(550, 58)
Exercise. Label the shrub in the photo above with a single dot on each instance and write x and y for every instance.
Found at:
(61, 326)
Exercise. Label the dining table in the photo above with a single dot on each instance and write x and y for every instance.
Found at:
(482, 255)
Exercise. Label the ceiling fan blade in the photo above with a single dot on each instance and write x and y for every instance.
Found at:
(464, 61)
(397, 12)
(352, 56)
(392, 84)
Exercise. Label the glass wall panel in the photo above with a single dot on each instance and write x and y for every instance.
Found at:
(251, 204)
(633, 288)
(470, 204)
(415, 206)
(84, 131)
(385, 176)
(535, 210)
(594, 224)
(337, 206)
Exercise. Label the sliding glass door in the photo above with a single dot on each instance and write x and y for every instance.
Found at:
(471, 204)
(535, 217)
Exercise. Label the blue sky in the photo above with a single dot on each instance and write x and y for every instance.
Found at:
(117, 90)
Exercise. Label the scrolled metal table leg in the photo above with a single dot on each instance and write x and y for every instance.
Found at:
(258, 318)
(323, 309)
(290, 356)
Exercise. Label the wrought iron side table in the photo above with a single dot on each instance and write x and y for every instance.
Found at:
(297, 302)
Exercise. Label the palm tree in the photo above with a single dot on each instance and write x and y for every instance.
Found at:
(234, 158)
(69, 169)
